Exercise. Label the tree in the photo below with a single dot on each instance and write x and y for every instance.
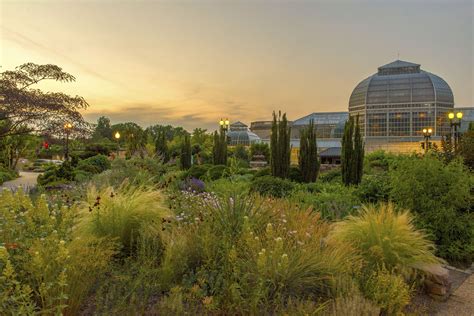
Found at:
(352, 155)
(12, 148)
(134, 138)
(24, 109)
(186, 153)
(466, 147)
(103, 128)
(308, 157)
(280, 146)
(161, 146)
(200, 136)
(219, 151)
(358, 168)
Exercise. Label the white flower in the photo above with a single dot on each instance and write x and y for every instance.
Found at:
(62, 242)
(278, 239)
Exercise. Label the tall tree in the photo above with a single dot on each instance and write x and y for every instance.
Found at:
(352, 155)
(358, 153)
(161, 146)
(308, 157)
(219, 150)
(186, 153)
(280, 146)
(25, 109)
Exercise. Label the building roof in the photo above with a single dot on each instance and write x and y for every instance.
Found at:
(244, 137)
(399, 64)
(238, 124)
(322, 118)
(331, 152)
(401, 82)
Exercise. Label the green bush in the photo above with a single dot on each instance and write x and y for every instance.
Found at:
(95, 164)
(333, 200)
(374, 188)
(56, 175)
(135, 171)
(333, 175)
(216, 172)
(272, 186)
(379, 161)
(7, 174)
(441, 195)
(263, 172)
(199, 171)
(295, 174)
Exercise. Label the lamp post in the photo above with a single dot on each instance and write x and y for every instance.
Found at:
(67, 129)
(224, 124)
(225, 127)
(455, 123)
(117, 138)
(427, 135)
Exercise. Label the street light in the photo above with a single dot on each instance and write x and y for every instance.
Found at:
(455, 123)
(224, 124)
(117, 137)
(427, 135)
(67, 129)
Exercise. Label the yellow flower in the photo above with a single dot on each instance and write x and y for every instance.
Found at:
(207, 300)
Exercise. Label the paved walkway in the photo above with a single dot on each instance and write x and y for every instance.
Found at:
(27, 180)
(461, 302)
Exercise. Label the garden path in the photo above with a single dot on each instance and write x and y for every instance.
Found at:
(27, 180)
(461, 302)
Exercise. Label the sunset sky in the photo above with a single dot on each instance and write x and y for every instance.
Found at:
(189, 63)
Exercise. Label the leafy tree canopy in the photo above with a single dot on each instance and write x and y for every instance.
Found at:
(25, 109)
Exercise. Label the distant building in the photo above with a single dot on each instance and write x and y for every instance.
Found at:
(239, 134)
(467, 117)
(394, 105)
(397, 103)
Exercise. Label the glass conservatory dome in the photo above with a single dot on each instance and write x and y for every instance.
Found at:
(400, 100)
(239, 134)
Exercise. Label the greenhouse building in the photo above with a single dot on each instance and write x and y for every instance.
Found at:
(398, 102)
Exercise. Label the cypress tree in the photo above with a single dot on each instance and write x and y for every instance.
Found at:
(274, 153)
(358, 154)
(347, 152)
(352, 154)
(219, 151)
(280, 146)
(308, 158)
(186, 153)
